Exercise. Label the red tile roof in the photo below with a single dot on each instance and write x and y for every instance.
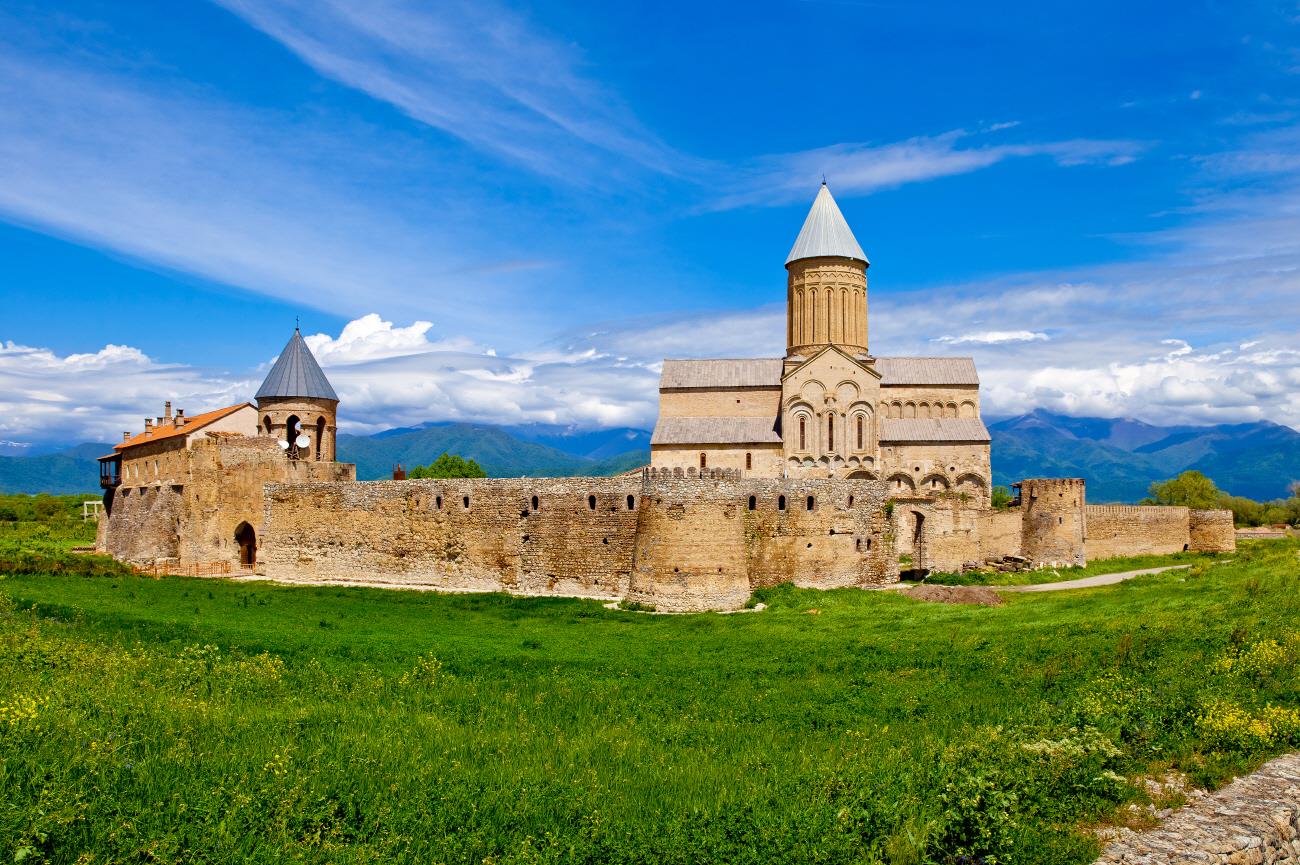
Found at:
(170, 430)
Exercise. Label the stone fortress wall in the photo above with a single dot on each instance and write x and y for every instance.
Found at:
(213, 486)
(556, 536)
(676, 539)
(1051, 526)
(708, 542)
(1120, 530)
(673, 540)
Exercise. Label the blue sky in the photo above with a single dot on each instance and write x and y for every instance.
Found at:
(512, 212)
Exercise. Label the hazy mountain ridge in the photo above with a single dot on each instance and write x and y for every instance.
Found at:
(1119, 457)
(501, 452)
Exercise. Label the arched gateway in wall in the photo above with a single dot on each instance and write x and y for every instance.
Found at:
(246, 539)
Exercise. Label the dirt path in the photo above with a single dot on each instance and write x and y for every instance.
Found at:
(1088, 582)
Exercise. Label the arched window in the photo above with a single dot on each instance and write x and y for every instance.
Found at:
(631, 503)
(292, 429)
(749, 461)
(753, 502)
(859, 432)
(266, 424)
(811, 503)
(803, 433)
(535, 503)
(591, 503)
(320, 438)
(780, 503)
(465, 501)
(830, 433)
(704, 460)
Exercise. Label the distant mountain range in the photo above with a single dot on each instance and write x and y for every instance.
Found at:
(1122, 458)
(1119, 458)
(537, 450)
(64, 472)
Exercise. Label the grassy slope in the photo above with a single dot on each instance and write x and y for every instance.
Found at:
(879, 729)
(1056, 575)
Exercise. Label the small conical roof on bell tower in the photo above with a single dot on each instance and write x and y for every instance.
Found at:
(825, 232)
(296, 374)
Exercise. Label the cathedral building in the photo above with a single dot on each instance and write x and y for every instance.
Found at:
(829, 408)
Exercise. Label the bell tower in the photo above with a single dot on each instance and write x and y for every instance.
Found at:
(297, 405)
(826, 284)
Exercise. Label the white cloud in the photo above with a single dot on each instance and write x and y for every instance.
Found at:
(96, 396)
(993, 337)
(372, 338)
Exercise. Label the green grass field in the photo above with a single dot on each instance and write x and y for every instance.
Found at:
(189, 720)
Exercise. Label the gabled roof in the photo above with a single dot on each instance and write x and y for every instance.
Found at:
(933, 430)
(170, 430)
(747, 372)
(825, 232)
(296, 374)
(715, 430)
(927, 370)
(857, 360)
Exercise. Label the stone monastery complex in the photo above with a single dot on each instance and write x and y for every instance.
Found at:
(827, 467)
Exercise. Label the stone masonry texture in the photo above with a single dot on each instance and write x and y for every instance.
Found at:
(1252, 821)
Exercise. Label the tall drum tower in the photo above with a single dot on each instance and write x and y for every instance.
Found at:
(826, 284)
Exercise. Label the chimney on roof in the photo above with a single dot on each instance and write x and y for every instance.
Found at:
(126, 435)
(148, 424)
(167, 409)
(180, 417)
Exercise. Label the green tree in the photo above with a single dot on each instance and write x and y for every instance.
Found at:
(449, 466)
(1245, 512)
(1191, 489)
(1002, 497)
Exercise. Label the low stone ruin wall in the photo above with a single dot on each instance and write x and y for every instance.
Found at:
(1255, 819)
(143, 523)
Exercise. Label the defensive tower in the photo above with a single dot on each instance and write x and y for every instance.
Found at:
(296, 402)
(826, 284)
(1053, 527)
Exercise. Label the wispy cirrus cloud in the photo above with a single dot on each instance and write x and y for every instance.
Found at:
(277, 205)
(492, 78)
(476, 70)
(861, 169)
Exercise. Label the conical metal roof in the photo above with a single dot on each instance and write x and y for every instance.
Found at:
(825, 232)
(296, 374)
